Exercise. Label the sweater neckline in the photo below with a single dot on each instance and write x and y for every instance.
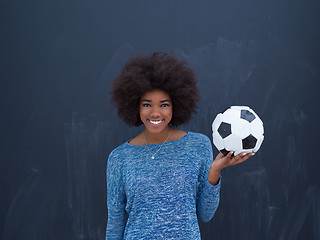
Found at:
(157, 144)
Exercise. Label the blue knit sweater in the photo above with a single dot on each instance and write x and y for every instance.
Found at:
(163, 196)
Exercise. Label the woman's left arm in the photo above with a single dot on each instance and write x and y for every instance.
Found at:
(208, 195)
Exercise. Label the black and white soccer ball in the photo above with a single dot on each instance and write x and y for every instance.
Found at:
(237, 129)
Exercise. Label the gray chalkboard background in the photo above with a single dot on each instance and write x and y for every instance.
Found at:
(58, 59)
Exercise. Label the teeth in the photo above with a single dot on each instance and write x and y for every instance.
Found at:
(155, 122)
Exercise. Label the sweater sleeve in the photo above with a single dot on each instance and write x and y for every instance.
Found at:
(116, 199)
(208, 195)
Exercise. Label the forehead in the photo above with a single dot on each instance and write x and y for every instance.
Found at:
(155, 95)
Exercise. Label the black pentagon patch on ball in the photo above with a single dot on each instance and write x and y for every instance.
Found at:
(224, 151)
(247, 115)
(224, 129)
(249, 142)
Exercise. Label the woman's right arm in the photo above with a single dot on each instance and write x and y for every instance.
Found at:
(116, 199)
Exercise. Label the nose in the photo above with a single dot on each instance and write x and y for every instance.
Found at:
(155, 113)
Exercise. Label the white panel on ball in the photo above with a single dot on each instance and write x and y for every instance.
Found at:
(246, 151)
(230, 114)
(216, 122)
(232, 143)
(257, 128)
(240, 107)
(240, 128)
(217, 141)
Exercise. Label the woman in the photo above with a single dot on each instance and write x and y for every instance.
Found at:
(164, 178)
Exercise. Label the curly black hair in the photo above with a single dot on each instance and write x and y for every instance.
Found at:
(162, 71)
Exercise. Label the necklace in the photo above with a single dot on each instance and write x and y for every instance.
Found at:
(153, 154)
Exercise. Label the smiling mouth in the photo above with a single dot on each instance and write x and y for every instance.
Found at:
(156, 122)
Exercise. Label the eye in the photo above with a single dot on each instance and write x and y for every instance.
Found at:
(146, 105)
(165, 105)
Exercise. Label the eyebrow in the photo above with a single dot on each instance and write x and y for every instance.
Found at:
(147, 100)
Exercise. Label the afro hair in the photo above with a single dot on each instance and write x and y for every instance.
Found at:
(162, 71)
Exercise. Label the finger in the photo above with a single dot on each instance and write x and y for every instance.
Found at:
(230, 155)
(238, 157)
(248, 155)
(220, 155)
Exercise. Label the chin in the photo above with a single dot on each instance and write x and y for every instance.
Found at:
(155, 131)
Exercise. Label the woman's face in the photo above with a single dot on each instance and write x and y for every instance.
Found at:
(155, 110)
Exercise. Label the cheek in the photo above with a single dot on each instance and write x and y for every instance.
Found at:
(170, 113)
(142, 113)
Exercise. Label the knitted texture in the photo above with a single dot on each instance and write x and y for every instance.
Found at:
(163, 196)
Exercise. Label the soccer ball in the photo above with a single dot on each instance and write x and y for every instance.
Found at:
(238, 129)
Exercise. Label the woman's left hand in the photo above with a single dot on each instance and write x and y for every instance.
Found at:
(222, 162)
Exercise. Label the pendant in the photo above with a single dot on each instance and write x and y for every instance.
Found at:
(152, 157)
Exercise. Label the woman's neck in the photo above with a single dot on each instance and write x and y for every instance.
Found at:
(156, 138)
